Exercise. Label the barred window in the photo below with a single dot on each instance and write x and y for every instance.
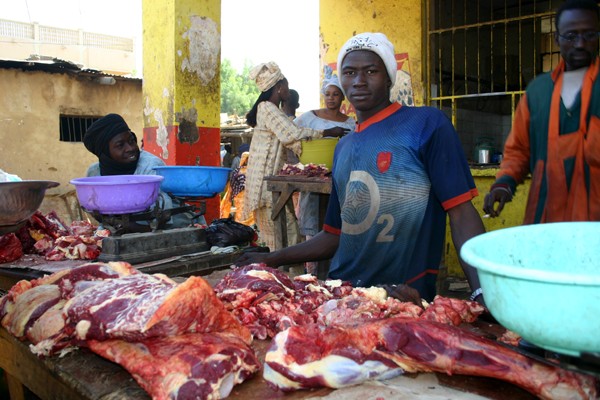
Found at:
(480, 57)
(73, 127)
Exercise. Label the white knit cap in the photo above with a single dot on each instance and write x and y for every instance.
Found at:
(379, 44)
(266, 75)
(331, 81)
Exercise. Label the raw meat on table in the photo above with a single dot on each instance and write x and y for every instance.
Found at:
(267, 301)
(75, 248)
(141, 306)
(33, 309)
(309, 170)
(452, 311)
(49, 236)
(365, 304)
(10, 248)
(182, 343)
(190, 366)
(341, 355)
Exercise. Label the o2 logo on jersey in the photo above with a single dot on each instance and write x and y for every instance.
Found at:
(359, 216)
(384, 160)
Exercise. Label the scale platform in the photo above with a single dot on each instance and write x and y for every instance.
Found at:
(150, 246)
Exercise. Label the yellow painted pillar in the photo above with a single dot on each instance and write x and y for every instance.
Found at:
(181, 86)
(400, 21)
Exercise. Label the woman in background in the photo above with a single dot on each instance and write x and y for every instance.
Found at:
(234, 191)
(273, 133)
(327, 117)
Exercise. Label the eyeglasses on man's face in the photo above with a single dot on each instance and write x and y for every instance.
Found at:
(586, 36)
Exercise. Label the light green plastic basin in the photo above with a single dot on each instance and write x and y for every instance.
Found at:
(543, 282)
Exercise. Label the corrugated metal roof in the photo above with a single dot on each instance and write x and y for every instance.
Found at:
(56, 65)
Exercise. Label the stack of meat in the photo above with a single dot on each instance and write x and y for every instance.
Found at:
(186, 341)
(177, 340)
(330, 334)
(308, 170)
(49, 236)
(267, 301)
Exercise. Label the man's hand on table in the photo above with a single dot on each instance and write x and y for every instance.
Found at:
(252, 257)
(403, 293)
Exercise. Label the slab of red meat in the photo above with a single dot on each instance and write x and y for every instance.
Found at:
(267, 301)
(50, 324)
(28, 307)
(308, 170)
(10, 248)
(7, 302)
(453, 311)
(73, 248)
(250, 284)
(49, 224)
(49, 236)
(82, 228)
(336, 356)
(190, 366)
(33, 309)
(143, 306)
(66, 281)
(365, 304)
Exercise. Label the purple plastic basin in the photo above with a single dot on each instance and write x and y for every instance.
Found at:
(117, 194)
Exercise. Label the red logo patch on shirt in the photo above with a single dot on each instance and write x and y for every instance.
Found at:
(384, 160)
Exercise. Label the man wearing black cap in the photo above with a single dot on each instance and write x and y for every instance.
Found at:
(115, 145)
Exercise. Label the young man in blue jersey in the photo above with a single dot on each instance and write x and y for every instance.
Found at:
(394, 181)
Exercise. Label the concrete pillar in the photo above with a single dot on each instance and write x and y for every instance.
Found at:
(399, 20)
(181, 86)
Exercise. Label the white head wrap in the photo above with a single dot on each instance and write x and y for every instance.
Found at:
(332, 81)
(379, 44)
(266, 75)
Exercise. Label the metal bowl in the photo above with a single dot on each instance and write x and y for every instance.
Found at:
(193, 181)
(19, 201)
(117, 194)
(543, 282)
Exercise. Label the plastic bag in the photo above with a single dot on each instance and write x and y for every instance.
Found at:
(226, 232)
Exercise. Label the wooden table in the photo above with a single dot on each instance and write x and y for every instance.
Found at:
(282, 188)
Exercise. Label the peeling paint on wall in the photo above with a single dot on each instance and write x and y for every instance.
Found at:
(204, 45)
(162, 134)
(147, 108)
(326, 69)
(188, 129)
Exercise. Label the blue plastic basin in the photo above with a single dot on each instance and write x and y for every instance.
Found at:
(193, 181)
(543, 282)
